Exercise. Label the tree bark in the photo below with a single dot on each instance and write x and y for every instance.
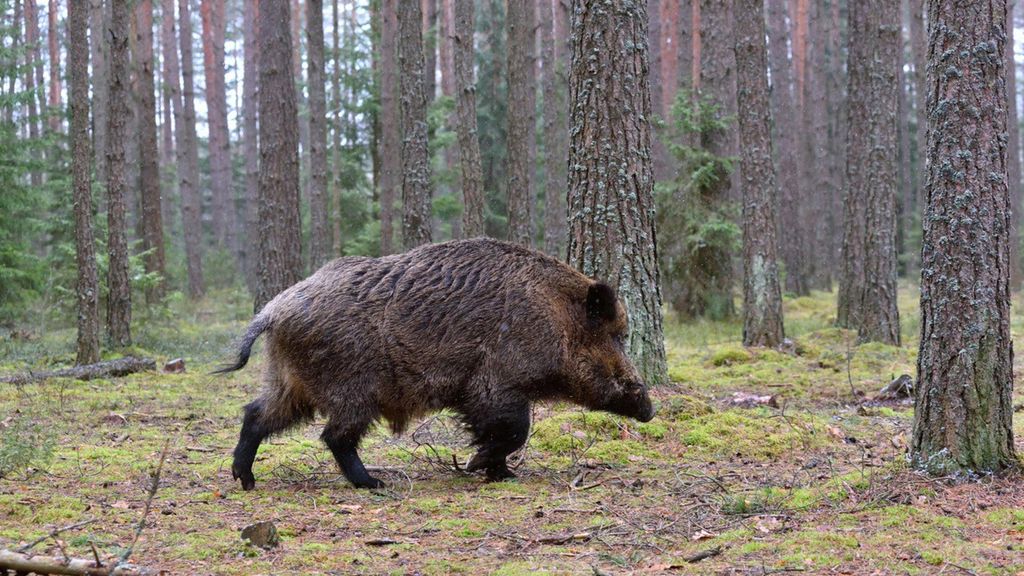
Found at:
(149, 158)
(250, 135)
(31, 56)
(416, 188)
(188, 160)
(99, 16)
(224, 222)
(786, 134)
(168, 42)
(919, 50)
(522, 103)
(718, 82)
(762, 298)
(53, 37)
(87, 289)
(465, 107)
(867, 287)
(119, 296)
(611, 205)
(1013, 151)
(390, 122)
(280, 258)
(963, 406)
(555, 134)
(428, 9)
(320, 233)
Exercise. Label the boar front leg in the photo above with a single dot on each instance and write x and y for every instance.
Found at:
(498, 431)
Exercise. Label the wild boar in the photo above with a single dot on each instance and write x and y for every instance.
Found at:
(479, 326)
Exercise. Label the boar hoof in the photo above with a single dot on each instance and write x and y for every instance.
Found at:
(499, 474)
(369, 482)
(248, 480)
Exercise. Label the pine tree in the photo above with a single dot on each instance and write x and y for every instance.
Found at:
(119, 294)
(280, 257)
(416, 185)
(762, 298)
(88, 288)
(320, 233)
(963, 409)
(611, 205)
(522, 102)
(466, 124)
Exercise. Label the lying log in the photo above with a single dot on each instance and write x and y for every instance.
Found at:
(26, 564)
(106, 369)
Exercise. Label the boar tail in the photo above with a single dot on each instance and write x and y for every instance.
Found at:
(257, 327)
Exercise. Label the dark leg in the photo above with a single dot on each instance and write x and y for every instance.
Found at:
(499, 432)
(254, 430)
(343, 441)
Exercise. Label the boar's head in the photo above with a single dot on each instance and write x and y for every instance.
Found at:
(605, 377)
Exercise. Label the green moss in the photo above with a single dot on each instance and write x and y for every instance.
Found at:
(730, 355)
(752, 433)
(1010, 518)
(520, 568)
(681, 408)
(932, 557)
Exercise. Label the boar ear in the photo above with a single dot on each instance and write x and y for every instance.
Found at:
(601, 303)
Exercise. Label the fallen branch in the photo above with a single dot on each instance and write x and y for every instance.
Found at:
(106, 369)
(565, 538)
(704, 555)
(25, 564)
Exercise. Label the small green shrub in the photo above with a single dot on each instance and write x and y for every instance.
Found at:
(22, 445)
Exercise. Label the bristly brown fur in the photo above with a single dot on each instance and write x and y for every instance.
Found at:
(479, 326)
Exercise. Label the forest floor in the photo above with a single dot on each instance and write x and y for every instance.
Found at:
(814, 483)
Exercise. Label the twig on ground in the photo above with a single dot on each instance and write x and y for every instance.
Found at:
(154, 484)
(54, 534)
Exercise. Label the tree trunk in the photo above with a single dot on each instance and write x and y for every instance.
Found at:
(963, 406)
(718, 82)
(119, 298)
(149, 156)
(836, 97)
(1013, 152)
(224, 222)
(786, 135)
(390, 122)
(300, 99)
(429, 31)
(99, 16)
(522, 103)
(819, 230)
(250, 135)
(867, 287)
(280, 256)
(87, 289)
(168, 42)
(919, 49)
(469, 144)
(31, 56)
(188, 160)
(55, 104)
(319, 233)
(611, 205)
(336, 105)
(762, 298)
(416, 189)
(554, 136)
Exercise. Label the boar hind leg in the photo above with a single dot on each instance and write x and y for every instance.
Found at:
(343, 439)
(255, 427)
(498, 432)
